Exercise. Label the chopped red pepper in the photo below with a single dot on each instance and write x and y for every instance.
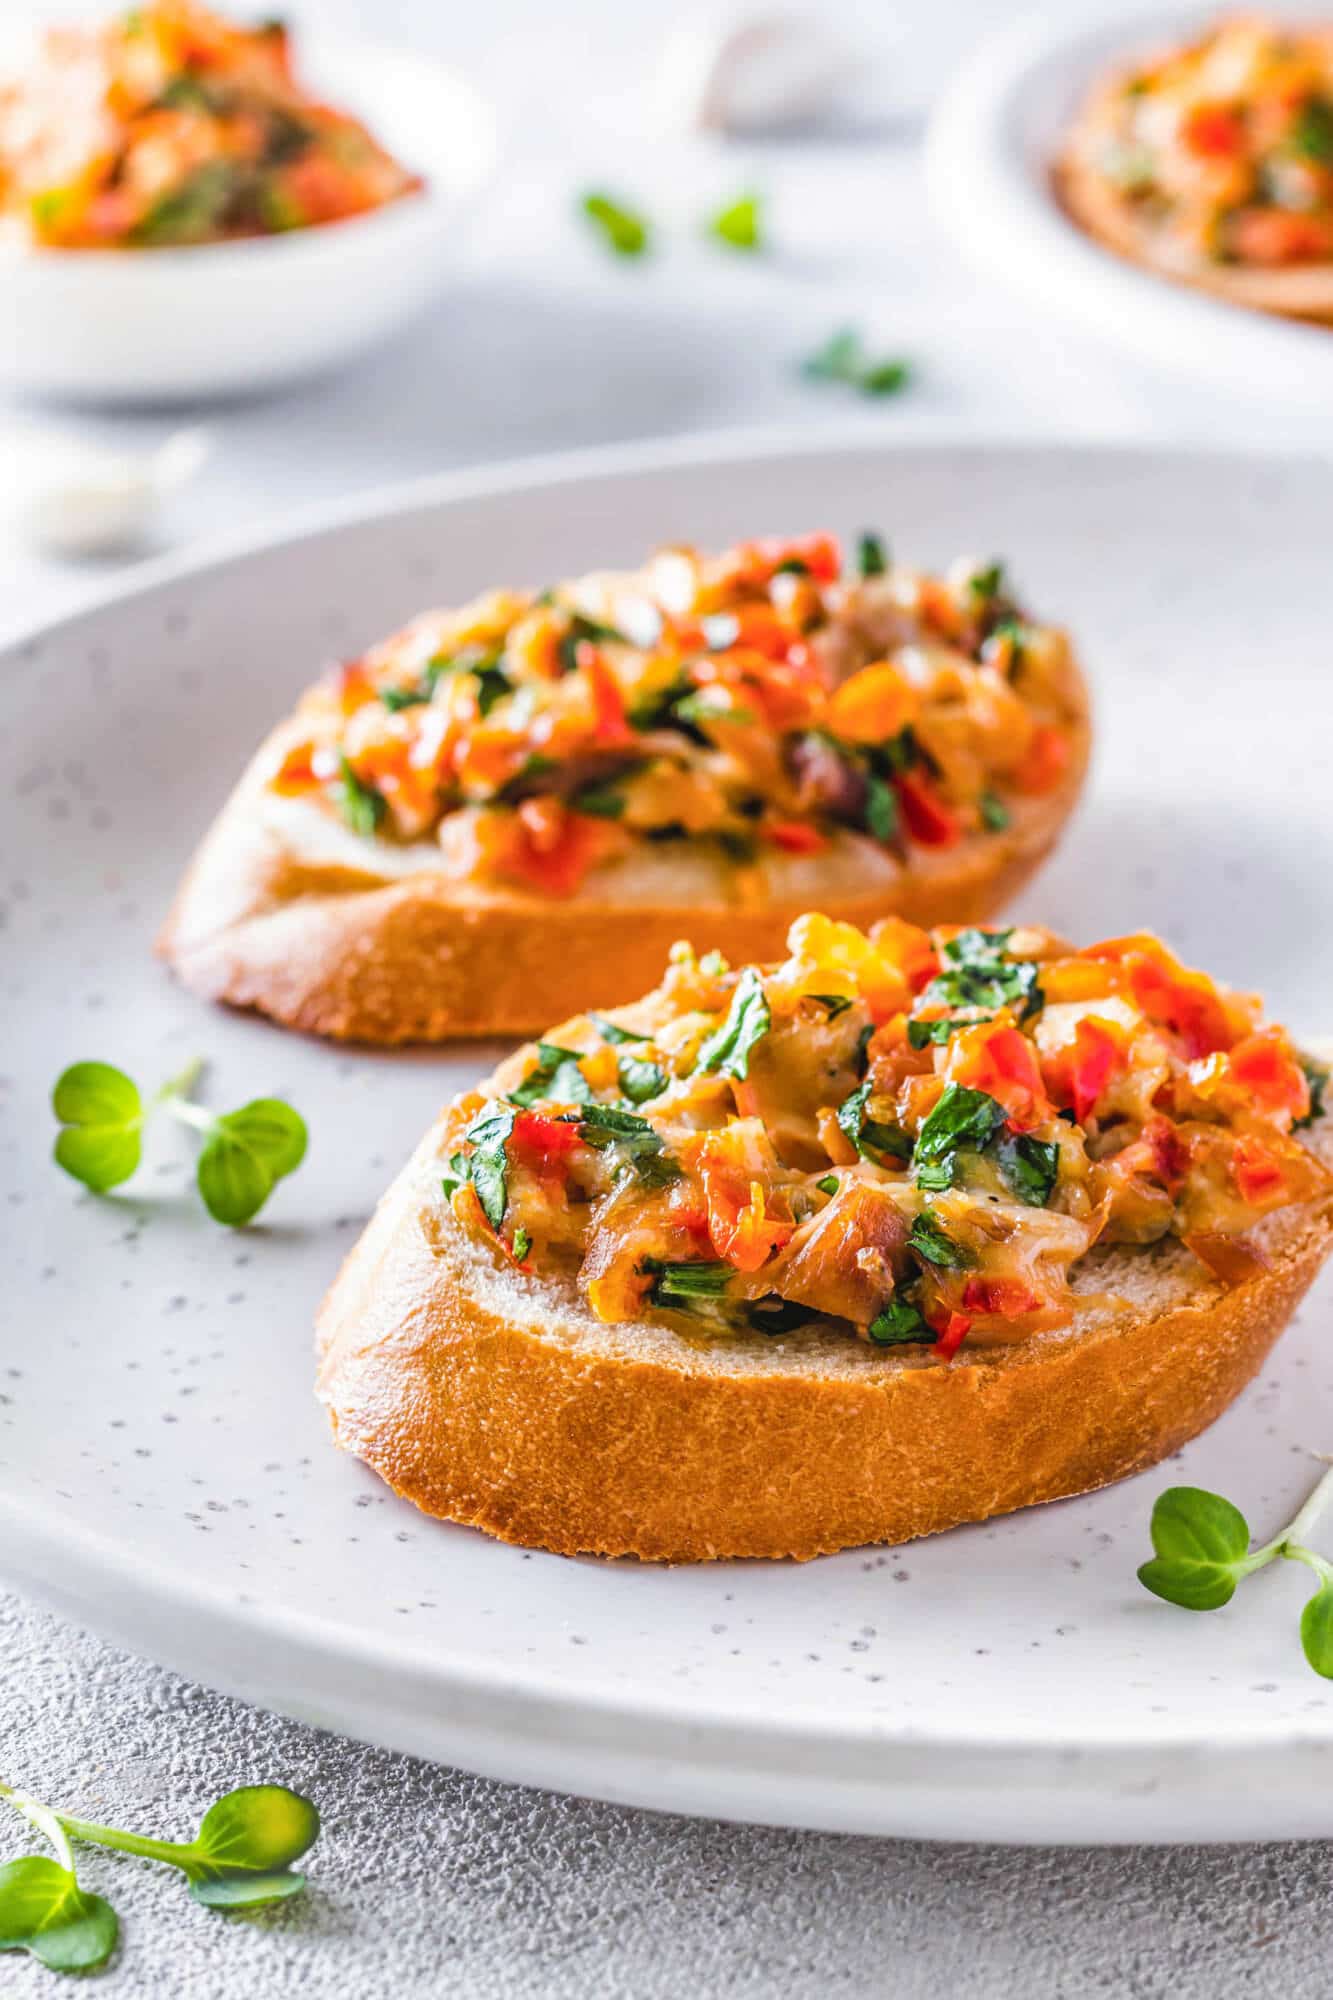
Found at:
(952, 1329)
(1256, 1172)
(929, 820)
(1002, 1062)
(1077, 1076)
(611, 724)
(1214, 131)
(1007, 1297)
(1264, 1065)
(795, 836)
(544, 1141)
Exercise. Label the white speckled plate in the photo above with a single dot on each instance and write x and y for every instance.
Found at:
(164, 1471)
(993, 138)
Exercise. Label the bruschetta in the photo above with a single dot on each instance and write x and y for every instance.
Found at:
(170, 125)
(1213, 165)
(509, 812)
(908, 1230)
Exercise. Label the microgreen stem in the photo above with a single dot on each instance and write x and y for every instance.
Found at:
(1289, 1540)
(46, 1822)
(127, 1843)
(182, 1084)
(186, 1113)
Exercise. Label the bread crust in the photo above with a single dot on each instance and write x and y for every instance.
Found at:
(498, 1401)
(1298, 291)
(323, 941)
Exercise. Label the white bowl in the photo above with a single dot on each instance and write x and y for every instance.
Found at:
(992, 140)
(218, 319)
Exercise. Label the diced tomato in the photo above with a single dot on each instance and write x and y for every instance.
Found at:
(1276, 236)
(543, 1142)
(1186, 1002)
(873, 705)
(1002, 1062)
(1264, 1065)
(296, 772)
(1159, 1152)
(1007, 1297)
(1213, 132)
(354, 687)
(951, 1329)
(795, 836)
(756, 561)
(1045, 761)
(739, 1222)
(1256, 1171)
(1079, 1073)
(553, 848)
(611, 724)
(929, 820)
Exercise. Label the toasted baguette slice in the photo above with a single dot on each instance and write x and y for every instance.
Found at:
(1296, 291)
(287, 911)
(498, 1400)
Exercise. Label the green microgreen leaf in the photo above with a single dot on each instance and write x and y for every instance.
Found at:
(727, 1050)
(995, 814)
(622, 230)
(361, 804)
(842, 359)
(556, 1076)
(246, 1843)
(1201, 1544)
(933, 1243)
(1317, 1629)
(250, 1150)
(900, 1320)
(872, 556)
(987, 582)
(740, 225)
(640, 1079)
(102, 1114)
(884, 378)
(44, 1912)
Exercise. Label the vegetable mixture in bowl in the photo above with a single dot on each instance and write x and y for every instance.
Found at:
(170, 126)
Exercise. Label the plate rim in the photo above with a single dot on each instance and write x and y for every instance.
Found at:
(751, 1760)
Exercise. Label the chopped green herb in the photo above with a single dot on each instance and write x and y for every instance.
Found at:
(704, 708)
(641, 1080)
(455, 1176)
(869, 1136)
(885, 378)
(636, 1144)
(934, 1176)
(493, 684)
(899, 1321)
(599, 802)
(995, 814)
(882, 815)
(740, 224)
(962, 1117)
(1316, 1075)
(610, 1031)
(792, 566)
(488, 1163)
(934, 1034)
(396, 699)
(895, 754)
(872, 557)
(1311, 136)
(360, 803)
(932, 1242)
(1030, 1166)
(836, 1003)
(694, 1280)
(978, 974)
(842, 359)
(556, 1077)
(583, 629)
(193, 210)
(727, 1050)
(988, 582)
(522, 1244)
(829, 1184)
(624, 232)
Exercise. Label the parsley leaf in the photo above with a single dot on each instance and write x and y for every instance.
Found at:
(748, 1020)
(488, 1164)
(361, 804)
(1030, 1166)
(899, 1321)
(933, 1244)
(557, 1076)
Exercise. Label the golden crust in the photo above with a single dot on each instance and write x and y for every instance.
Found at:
(497, 1401)
(331, 947)
(1303, 291)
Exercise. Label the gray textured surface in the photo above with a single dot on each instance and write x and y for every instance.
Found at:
(430, 1883)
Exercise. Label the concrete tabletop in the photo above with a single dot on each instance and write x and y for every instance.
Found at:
(427, 1881)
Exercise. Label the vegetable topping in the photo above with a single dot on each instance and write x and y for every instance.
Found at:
(759, 704)
(912, 1136)
(1224, 148)
(170, 125)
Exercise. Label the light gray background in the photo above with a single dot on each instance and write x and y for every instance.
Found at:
(429, 1882)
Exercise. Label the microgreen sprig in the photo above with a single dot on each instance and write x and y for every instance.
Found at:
(1202, 1551)
(843, 359)
(241, 1857)
(739, 225)
(103, 1116)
